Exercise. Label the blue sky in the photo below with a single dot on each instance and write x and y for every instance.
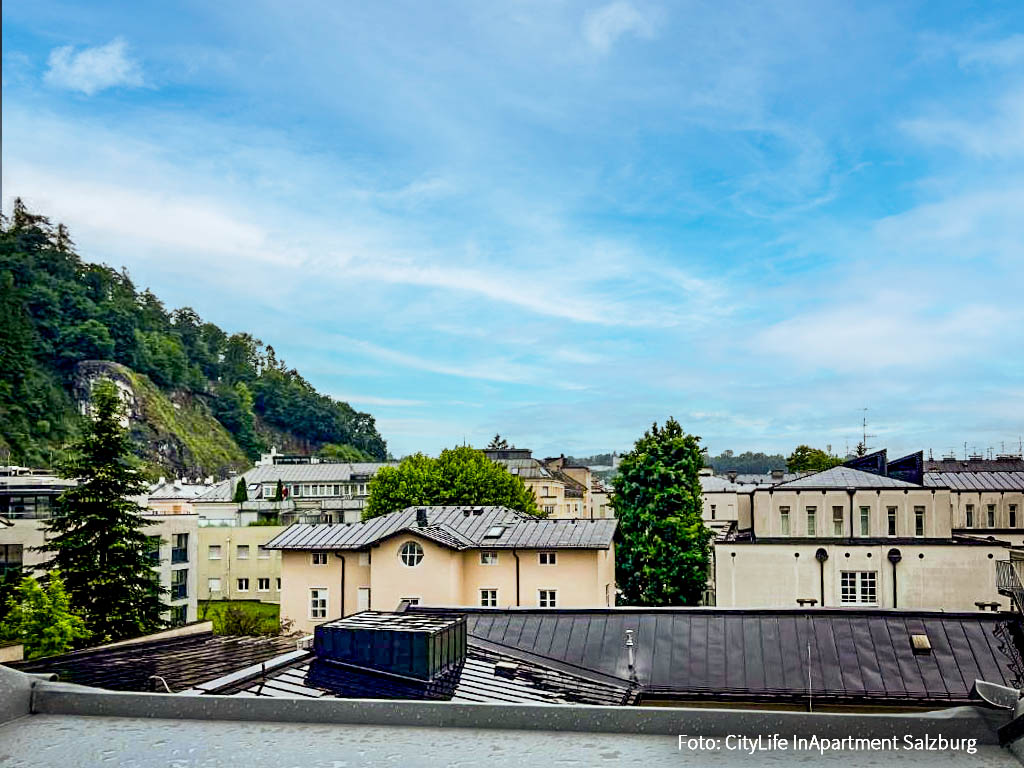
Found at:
(558, 220)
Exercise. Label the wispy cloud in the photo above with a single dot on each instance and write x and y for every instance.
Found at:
(603, 27)
(91, 70)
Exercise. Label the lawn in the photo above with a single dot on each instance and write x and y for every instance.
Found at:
(258, 618)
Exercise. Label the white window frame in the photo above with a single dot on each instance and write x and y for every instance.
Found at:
(969, 512)
(488, 597)
(262, 553)
(260, 581)
(864, 518)
(238, 552)
(318, 559)
(990, 515)
(784, 521)
(411, 600)
(812, 519)
(488, 557)
(837, 522)
(210, 550)
(547, 598)
(920, 515)
(856, 586)
(213, 584)
(238, 584)
(417, 554)
(364, 558)
(278, 583)
(547, 558)
(315, 597)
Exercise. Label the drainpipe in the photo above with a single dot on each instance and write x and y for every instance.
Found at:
(851, 491)
(821, 556)
(342, 558)
(516, 556)
(894, 557)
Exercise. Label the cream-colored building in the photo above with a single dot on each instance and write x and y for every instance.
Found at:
(848, 537)
(26, 500)
(601, 499)
(471, 556)
(235, 564)
(558, 494)
(984, 503)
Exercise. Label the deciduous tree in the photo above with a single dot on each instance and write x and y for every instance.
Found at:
(42, 619)
(807, 459)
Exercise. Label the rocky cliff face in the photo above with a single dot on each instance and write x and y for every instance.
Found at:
(175, 435)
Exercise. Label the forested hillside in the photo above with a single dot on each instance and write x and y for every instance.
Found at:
(190, 378)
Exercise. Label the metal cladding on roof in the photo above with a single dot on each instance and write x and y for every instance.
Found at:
(183, 491)
(976, 481)
(855, 655)
(528, 469)
(844, 477)
(455, 527)
(181, 661)
(295, 473)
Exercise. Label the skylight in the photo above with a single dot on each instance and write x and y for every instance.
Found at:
(494, 532)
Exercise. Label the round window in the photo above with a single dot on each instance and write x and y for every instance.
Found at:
(412, 553)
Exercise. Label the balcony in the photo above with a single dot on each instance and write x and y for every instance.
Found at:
(1008, 581)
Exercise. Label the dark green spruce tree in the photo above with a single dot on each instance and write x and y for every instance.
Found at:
(241, 493)
(96, 535)
(662, 550)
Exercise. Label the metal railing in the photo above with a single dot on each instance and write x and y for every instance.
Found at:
(1008, 581)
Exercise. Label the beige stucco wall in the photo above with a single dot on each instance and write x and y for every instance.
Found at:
(981, 499)
(767, 504)
(929, 577)
(229, 568)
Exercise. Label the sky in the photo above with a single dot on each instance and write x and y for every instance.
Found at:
(561, 221)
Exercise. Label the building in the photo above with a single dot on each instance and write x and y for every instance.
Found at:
(491, 556)
(601, 498)
(847, 537)
(558, 493)
(26, 502)
(176, 497)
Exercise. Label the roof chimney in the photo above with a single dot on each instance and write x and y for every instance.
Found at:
(421, 517)
(778, 474)
(731, 474)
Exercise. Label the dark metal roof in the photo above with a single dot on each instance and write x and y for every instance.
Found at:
(976, 481)
(842, 477)
(182, 661)
(855, 655)
(455, 527)
(1000, 464)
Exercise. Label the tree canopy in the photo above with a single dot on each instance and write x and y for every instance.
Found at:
(746, 462)
(807, 459)
(663, 549)
(57, 311)
(95, 537)
(41, 618)
(459, 476)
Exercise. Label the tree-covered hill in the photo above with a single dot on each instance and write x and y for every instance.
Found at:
(59, 315)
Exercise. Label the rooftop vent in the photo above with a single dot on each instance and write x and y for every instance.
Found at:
(778, 474)
(921, 644)
(421, 517)
(478, 511)
(506, 669)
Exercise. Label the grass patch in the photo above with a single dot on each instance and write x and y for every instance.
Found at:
(259, 618)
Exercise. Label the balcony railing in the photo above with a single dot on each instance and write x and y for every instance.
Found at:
(1008, 580)
(179, 555)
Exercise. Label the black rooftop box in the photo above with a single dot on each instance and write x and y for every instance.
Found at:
(412, 645)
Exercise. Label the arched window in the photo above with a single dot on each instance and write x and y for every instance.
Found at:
(412, 553)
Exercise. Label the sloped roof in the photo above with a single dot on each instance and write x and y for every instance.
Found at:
(976, 481)
(856, 654)
(457, 527)
(844, 477)
(294, 473)
(174, 490)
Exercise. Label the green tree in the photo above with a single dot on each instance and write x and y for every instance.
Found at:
(342, 453)
(497, 443)
(663, 549)
(241, 493)
(459, 476)
(96, 535)
(807, 459)
(279, 492)
(42, 619)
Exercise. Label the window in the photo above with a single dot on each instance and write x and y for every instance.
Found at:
(213, 585)
(865, 521)
(489, 598)
(547, 598)
(991, 515)
(970, 515)
(488, 557)
(318, 603)
(363, 599)
(858, 587)
(412, 554)
(409, 600)
(11, 557)
(214, 551)
(319, 558)
(784, 521)
(837, 521)
(545, 490)
(279, 584)
(179, 548)
(243, 585)
(263, 585)
(1013, 515)
(179, 584)
(547, 558)
(179, 615)
(364, 558)
(153, 550)
(712, 511)
(549, 509)
(262, 552)
(919, 521)
(812, 521)
(890, 514)
(243, 551)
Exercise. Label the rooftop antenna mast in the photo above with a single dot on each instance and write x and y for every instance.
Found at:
(864, 428)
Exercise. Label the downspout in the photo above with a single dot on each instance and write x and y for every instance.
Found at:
(850, 492)
(821, 556)
(894, 557)
(516, 556)
(342, 558)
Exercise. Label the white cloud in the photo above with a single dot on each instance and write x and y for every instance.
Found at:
(1000, 53)
(603, 27)
(92, 70)
(999, 133)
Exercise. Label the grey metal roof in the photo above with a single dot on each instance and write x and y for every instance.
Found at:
(294, 473)
(976, 481)
(173, 490)
(456, 527)
(856, 654)
(844, 477)
(528, 469)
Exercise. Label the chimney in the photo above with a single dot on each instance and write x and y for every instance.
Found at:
(421, 517)
(731, 474)
(777, 474)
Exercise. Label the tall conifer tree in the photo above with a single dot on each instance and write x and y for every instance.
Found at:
(96, 535)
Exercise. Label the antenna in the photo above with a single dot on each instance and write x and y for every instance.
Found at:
(864, 427)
